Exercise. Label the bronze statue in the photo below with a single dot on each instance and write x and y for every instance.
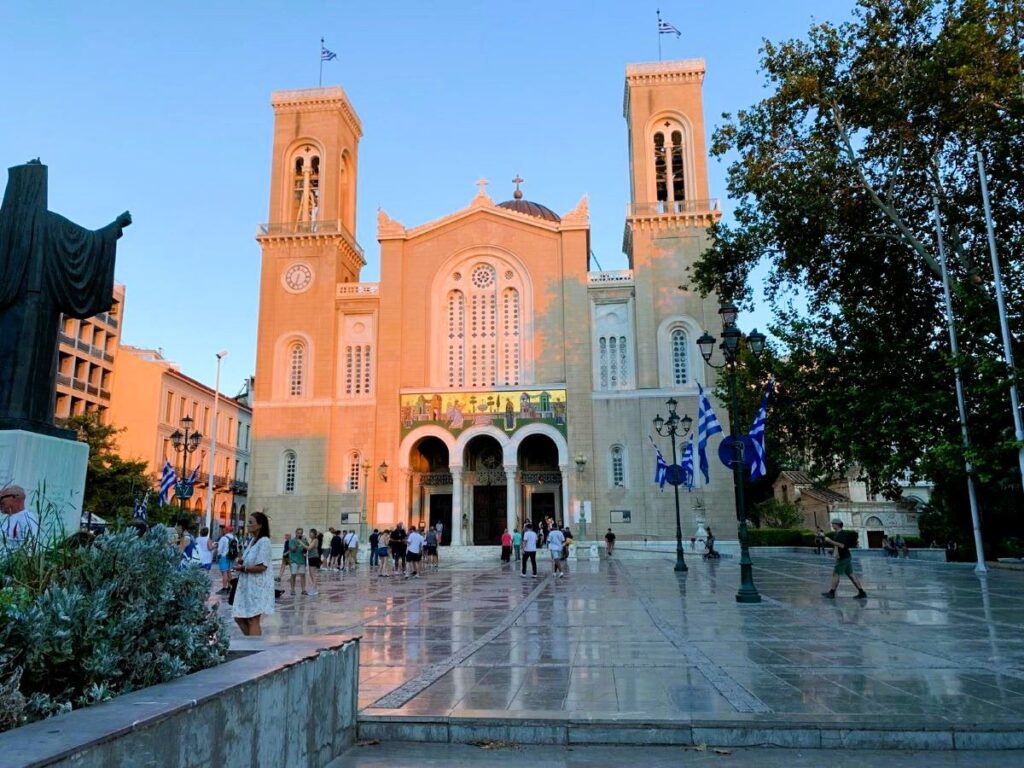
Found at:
(48, 266)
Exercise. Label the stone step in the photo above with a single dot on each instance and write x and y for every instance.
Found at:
(745, 732)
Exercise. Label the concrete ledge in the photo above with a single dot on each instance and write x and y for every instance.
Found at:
(266, 708)
(730, 732)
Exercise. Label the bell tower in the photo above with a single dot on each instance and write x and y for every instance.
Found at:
(308, 248)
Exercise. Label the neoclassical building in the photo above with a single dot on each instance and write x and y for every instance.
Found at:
(490, 377)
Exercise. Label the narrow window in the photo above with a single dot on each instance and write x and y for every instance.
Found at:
(296, 365)
(678, 186)
(618, 467)
(290, 462)
(623, 375)
(660, 170)
(354, 472)
(456, 338)
(366, 369)
(680, 359)
(613, 362)
(602, 344)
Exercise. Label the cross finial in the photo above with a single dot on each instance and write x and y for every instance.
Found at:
(518, 194)
(482, 185)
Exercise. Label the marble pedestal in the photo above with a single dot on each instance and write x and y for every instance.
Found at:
(35, 462)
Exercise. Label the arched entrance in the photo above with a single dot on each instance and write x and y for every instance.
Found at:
(484, 473)
(540, 480)
(431, 485)
(875, 532)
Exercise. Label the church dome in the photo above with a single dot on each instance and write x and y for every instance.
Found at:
(530, 208)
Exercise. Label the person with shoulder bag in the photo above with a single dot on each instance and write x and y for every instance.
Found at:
(253, 597)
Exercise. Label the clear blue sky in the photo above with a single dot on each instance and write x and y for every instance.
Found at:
(163, 109)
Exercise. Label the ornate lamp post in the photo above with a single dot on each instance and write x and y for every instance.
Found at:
(581, 465)
(730, 346)
(364, 518)
(671, 427)
(184, 443)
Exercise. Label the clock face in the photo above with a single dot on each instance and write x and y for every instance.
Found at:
(298, 278)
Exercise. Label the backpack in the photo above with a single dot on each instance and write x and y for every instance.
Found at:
(232, 549)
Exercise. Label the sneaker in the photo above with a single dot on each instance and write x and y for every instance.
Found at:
(303, 592)
(830, 594)
(416, 576)
(523, 575)
(293, 593)
(313, 594)
(535, 575)
(861, 595)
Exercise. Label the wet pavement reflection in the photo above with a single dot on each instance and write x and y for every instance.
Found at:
(933, 643)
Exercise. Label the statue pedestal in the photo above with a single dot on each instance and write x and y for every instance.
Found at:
(32, 460)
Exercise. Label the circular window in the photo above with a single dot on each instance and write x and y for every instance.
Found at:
(483, 276)
(297, 278)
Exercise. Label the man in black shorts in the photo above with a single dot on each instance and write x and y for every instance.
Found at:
(335, 562)
(398, 538)
(609, 542)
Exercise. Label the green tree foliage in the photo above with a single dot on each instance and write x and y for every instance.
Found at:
(83, 621)
(773, 513)
(111, 483)
(834, 173)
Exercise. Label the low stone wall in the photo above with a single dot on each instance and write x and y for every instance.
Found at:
(289, 705)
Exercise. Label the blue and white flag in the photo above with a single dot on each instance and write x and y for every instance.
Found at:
(660, 465)
(758, 468)
(140, 508)
(192, 477)
(167, 481)
(707, 425)
(664, 28)
(687, 463)
(326, 55)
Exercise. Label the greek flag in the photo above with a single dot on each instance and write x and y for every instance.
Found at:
(707, 425)
(758, 468)
(167, 481)
(192, 477)
(140, 508)
(326, 55)
(664, 28)
(687, 463)
(660, 465)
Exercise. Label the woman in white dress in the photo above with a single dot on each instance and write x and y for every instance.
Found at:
(254, 597)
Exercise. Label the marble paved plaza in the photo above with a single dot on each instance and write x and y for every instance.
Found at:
(627, 639)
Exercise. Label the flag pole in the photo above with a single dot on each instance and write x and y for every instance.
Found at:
(321, 83)
(964, 435)
(1007, 349)
(659, 34)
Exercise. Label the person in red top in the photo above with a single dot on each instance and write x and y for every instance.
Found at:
(506, 547)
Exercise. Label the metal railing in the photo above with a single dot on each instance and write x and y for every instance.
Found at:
(358, 289)
(64, 379)
(434, 479)
(611, 277)
(672, 207)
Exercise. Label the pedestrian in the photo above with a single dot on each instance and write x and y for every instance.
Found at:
(414, 552)
(439, 530)
(609, 542)
(543, 535)
(819, 542)
(430, 549)
(529, 550)
(841, 540)
(186, 545)
(297, 560)
(18, 525)
(709, 545)
(374, 544)
(313, 560)
(351, 550)
(334, 559)
(227, 554)
(383, 559)
(254, 597)
(556, 541)
(506, 546)
(397, 544)
(285, 564)
(205, 547)
(517, 543)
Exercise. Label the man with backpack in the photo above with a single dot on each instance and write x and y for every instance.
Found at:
(227, 554)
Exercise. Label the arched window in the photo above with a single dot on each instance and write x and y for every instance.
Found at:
(668, 156)
(357, 370)
(618, 467)
(680, 357)
(456, 339)
(296, 369)
(306, 186)
(290, 471)
(511, 341)
(355, 471)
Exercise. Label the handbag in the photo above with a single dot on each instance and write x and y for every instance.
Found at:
(232, 588)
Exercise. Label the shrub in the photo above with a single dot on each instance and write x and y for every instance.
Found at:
(82, 624)
(773, 513)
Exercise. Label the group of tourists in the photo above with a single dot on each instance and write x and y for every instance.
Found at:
(406, 554)
(548, 534)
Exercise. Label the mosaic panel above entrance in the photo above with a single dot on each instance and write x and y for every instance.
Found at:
(508, 410)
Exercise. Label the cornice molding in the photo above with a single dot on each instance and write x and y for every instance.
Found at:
(317, 100)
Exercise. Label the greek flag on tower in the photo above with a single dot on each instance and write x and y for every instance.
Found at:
(167, 481)
(758, 468)
(707, 425)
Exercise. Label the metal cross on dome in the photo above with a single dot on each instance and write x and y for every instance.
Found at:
(482, 184)
(517, 181)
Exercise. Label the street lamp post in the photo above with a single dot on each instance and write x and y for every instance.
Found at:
(671, 427)
(364, 518)
(213, 441)
(731, 346)
(185, 443)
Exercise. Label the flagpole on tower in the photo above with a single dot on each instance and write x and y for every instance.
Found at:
(659, 34)
(321, 82)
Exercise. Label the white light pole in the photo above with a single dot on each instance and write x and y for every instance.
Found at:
(213, 441)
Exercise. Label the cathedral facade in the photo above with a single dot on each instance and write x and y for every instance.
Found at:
(491, 377)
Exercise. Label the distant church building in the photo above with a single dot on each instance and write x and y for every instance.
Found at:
(490, 378)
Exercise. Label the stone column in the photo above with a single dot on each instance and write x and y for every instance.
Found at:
(417, 498)
(566, 513)
(456, 506)
(511, 497)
